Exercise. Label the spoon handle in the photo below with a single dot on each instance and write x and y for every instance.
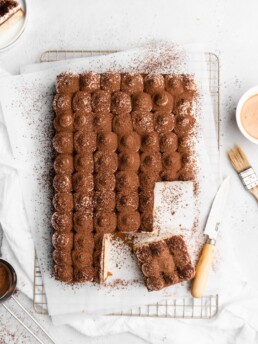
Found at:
(19, 320)
(32, 318)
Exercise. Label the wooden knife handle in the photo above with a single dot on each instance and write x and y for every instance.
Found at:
(202, 271)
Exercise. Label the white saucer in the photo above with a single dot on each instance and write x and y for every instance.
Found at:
(10, 36)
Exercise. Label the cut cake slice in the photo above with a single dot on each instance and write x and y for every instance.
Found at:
(164, 262)
(10, 13)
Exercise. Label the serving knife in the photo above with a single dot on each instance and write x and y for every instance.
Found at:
(211, 231)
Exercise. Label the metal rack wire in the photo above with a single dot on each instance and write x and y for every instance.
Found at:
(187, 307)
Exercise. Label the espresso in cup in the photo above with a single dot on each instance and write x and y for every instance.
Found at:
(5, 279)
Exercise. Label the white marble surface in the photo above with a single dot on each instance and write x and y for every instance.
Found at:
(226, 27)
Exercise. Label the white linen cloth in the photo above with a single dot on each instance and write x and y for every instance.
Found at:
(237, 321)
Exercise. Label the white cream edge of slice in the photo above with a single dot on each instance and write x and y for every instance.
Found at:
(104, 258)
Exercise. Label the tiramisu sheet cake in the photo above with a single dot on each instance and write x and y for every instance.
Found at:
(164, 262)
(115, 136)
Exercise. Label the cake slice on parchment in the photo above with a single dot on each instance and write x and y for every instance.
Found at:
(164, 262)
(10, 13)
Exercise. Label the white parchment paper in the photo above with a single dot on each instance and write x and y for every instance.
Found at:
(27, 108)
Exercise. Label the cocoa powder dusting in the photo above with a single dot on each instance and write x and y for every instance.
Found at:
(170, 109)
(179, 147)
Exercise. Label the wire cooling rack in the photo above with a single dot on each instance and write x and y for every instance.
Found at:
(187, 307)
